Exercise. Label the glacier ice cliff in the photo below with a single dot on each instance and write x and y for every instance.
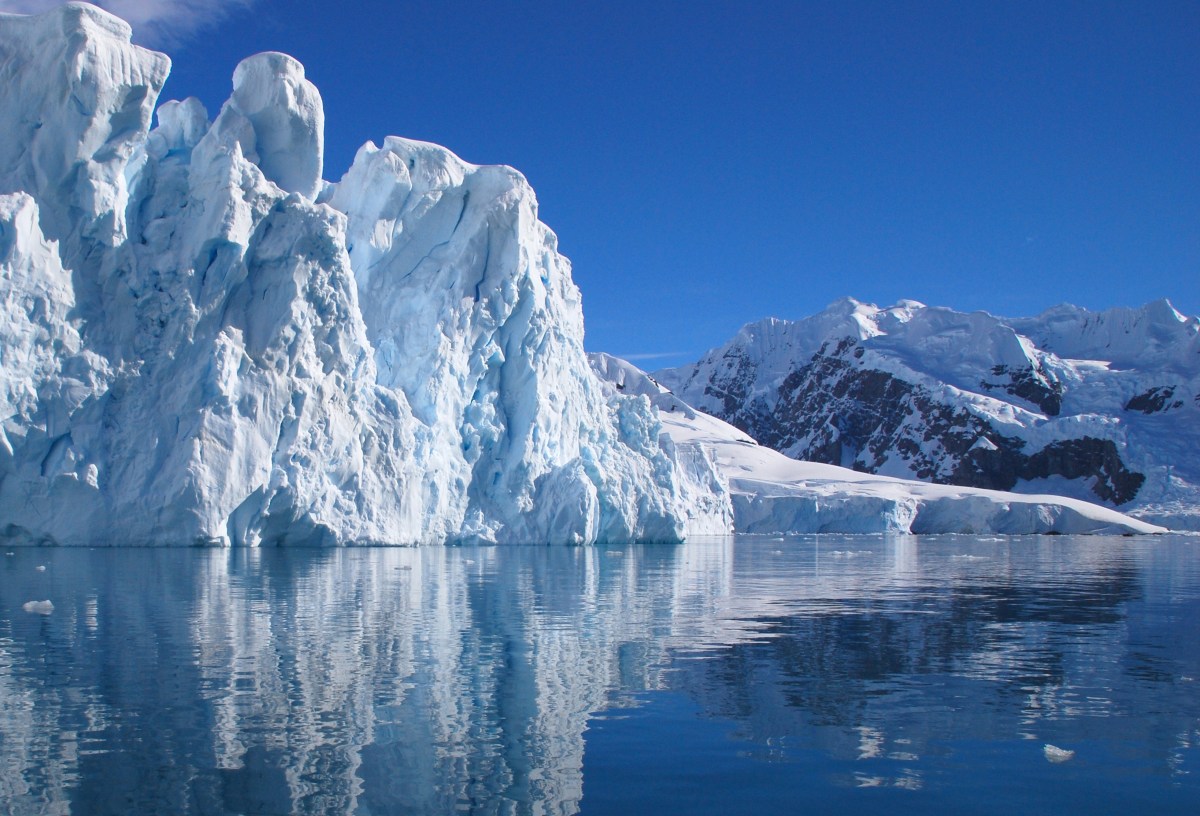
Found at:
(203, 341)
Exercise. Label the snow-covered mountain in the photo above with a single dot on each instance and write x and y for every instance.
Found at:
(1101, 406)
(203, 341)
(772, 493)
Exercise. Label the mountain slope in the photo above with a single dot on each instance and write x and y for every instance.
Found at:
(1100, 406)
(772, 493)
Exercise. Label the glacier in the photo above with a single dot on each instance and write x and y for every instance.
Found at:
(205, 342)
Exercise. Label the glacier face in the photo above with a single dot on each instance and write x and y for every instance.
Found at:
(1100, 406)
(204, 342)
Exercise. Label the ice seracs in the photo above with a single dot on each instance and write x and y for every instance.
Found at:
(203, 341)
(279, 120)
(77, 99)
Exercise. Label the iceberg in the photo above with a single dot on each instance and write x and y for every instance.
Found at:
(202, 341)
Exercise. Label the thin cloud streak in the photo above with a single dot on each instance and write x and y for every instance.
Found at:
(655, 355)
(159, 22)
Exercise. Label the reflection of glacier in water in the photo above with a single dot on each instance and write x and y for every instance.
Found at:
(439, 680)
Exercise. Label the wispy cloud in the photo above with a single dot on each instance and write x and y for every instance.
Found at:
(654, 355)
(158, 22)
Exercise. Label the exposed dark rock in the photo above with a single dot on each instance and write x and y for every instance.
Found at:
(733, 389)
(1083, 458)
(1030, 384)
(1155, 400)
(836, 410)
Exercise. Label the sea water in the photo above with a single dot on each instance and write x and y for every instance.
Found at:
(820, 674)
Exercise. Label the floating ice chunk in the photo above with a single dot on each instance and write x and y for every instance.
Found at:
(1056, 754)
(41, 568)
(38, 607)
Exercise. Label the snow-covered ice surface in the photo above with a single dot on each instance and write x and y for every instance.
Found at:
(772, 493)
(203, 341)
(1103, 406)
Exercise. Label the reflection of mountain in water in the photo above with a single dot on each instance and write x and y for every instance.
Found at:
(432, 680)
(832, 664)
(1031, 652)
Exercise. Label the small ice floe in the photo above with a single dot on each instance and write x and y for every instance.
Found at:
(10, 555)
(38, 607)
(614, 553)
(1055, 754)
(40, 567)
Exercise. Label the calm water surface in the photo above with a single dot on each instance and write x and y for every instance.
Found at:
(807, 675)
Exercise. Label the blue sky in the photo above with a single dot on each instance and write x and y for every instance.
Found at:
(710, 163)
